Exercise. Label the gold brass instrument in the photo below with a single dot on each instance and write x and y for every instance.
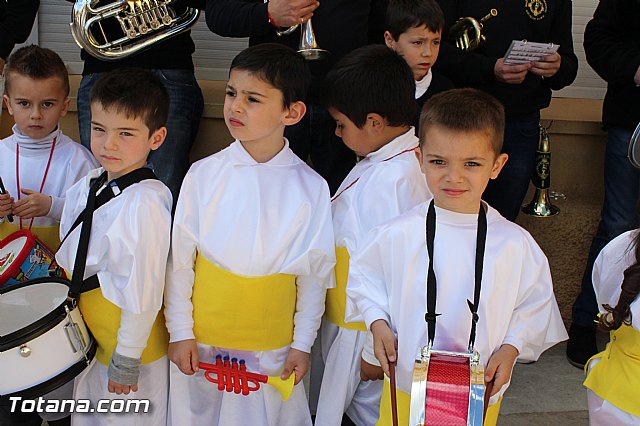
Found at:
(467, 31)
(140, 23)
(540, 205)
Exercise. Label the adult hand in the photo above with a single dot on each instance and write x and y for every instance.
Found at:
(6, 205)
(286, 13)
(33, 205)
(510, 74)
(184, 354)
(548, 66)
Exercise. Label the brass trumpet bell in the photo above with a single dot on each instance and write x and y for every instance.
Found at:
(540, 205)
(467, 31)
(308, 46)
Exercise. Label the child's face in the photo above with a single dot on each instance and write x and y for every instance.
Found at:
(363, 140)
(121, 144)
(458, 166)
(36, 105)
(253, 110)
(419, 46)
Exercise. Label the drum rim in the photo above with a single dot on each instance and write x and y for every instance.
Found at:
(58, 380)
(22, 256)
(41, 326)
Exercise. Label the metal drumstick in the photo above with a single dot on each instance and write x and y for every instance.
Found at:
(4, 191)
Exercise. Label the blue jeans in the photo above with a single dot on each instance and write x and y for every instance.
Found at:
(314, 137)
(507, 192)
(171, 160)
(619, 214)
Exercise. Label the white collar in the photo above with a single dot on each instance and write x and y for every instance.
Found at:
(423, 85)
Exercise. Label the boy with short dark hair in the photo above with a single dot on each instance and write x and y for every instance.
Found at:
(128, 249)
(38, 163)
(252, 253)
(414, 30)
(388, 279)
(376, 124)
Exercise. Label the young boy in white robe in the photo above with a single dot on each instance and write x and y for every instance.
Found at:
(252, 254)
(414, 30)
(613, 375)
(518, 314)
(38, 163)
(127, 253)
(385, 183)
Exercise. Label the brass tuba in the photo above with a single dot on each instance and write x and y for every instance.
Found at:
(540, 205)
(140, 23)
(467, 31)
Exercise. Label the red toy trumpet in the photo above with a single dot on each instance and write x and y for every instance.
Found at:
(232, 376)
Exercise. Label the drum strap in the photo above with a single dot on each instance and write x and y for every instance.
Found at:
(114, 188)
(430, 316)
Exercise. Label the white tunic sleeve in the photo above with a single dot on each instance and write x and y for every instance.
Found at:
(535, 324)
(180, 270)
(367, 289)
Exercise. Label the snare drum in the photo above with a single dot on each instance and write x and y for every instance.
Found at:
(44, 342)
(24, 257)
(447, 389)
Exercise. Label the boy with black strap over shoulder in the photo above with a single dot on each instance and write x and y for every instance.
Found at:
(128, 249)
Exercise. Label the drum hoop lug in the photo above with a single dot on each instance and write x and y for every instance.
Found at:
(74, 335)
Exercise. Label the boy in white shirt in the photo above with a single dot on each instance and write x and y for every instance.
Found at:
(38, 163)
(124, 276)
(385, 183)
(518, 314)
(252, 253)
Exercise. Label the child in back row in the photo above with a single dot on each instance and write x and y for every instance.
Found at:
(414, 30)
(613, 375)
(128, 249)
(388, 280)
(252, 253)
(38, 163)
(376, 124)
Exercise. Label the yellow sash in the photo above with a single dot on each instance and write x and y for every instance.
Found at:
(616, 377)
(404, 402)
(337, 297)
(242, 313)
(103, 319)
(48, 235)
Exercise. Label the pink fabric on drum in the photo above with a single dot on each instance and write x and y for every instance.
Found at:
(447, 401)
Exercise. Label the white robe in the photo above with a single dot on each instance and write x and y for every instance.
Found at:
(383, 185)
(70, 162)
(388, 276)
(252, 219)
(608, 273)
(128, 251)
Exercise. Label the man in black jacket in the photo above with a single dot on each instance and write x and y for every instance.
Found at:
(340, 26)
(523, 89)
(16, 20)
(170, 59)
(612, 47)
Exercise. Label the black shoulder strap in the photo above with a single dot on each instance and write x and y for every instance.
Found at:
(431, 316)
(114, 188)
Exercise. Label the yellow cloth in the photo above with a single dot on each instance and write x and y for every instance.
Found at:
(404, 403)
(616, 378)
(243, 313)
(103, 319)
(48, 235)
(337, 297)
